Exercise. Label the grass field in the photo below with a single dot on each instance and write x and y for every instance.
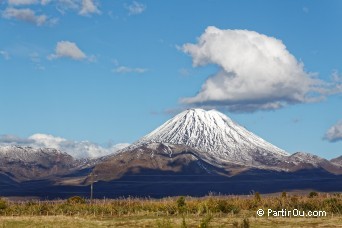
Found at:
(210, 211)
(170, 221)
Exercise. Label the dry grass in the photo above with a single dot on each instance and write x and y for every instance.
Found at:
(215, 211)
(171, 221)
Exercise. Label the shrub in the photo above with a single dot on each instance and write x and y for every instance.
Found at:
(181, 204)
(181, 201)
(313, 194)
(76, 200)
(3, 204)
(225, 207)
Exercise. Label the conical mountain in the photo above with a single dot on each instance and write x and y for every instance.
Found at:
(214, 134)
(200, 151)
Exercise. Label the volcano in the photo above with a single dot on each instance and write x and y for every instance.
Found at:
(199, 151)
(196, 136)
(214, 134)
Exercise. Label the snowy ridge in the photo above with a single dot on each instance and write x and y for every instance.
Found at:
(302, 157)
(213, 133)
(77, 149)
(28, 154)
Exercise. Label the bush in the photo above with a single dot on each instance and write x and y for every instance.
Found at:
(3, 204)
(313, 194)
(181, 204)
(76, 200)
(225, 207)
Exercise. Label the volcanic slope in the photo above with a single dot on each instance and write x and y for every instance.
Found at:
(193, 141)
(214, 134)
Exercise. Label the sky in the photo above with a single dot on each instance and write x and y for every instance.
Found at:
(80, 74)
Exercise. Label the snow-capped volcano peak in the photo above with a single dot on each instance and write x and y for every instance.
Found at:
(214, 133)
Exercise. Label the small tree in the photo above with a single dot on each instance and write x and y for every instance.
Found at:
(181, 204)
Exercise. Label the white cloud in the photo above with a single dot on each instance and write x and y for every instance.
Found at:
(88, 7)
(82, 149)
(28, 15)
(5, 54)
(64, 5)
(49, 141)
(69, 50)
(22, 2)
(124, 69)
(257, 72)
(334, 133)
(135, 8)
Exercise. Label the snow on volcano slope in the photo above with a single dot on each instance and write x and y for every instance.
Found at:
(215, 134)
(27, 163)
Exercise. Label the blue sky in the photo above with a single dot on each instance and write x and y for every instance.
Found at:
(111, 71)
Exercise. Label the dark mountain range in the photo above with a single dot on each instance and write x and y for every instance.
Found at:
(27, 163)
(194, 153)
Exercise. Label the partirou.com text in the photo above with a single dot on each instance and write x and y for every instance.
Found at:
(290, 213)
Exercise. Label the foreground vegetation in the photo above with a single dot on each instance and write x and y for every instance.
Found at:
(210, 211)
(173, 221)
